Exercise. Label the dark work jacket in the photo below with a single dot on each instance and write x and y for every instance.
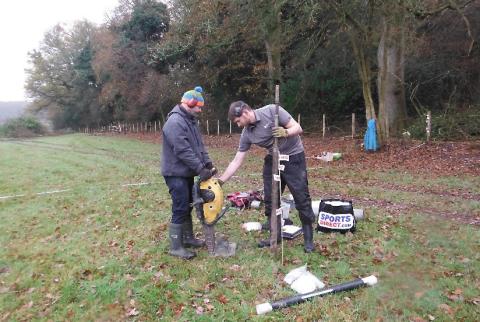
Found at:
(183, 151)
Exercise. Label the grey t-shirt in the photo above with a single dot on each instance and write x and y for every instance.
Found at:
(260, 133)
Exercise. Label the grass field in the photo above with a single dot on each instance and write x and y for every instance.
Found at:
(97, 249)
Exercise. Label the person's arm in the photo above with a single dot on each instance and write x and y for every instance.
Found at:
(233, 166)
(293, 128)
(287, 125)
(290, 129)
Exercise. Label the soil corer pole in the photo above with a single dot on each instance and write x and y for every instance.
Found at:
(275, 177)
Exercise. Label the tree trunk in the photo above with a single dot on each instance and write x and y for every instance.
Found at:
(273, 47)
(365, 75)
(392, 110)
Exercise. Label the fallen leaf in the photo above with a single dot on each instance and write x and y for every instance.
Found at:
(209, 286)
(87, 274)
(418, 319)
(113, 243)
(235, 267)
(178, 308)
(457, 291)
(132, 312)
(419, 294)
(160, 310)
(222, 299)
(28, 305)
(455, 298)
(446, 308)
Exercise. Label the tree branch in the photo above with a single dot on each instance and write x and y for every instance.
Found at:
(450, 5)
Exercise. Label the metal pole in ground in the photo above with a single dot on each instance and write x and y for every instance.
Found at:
(275, 191)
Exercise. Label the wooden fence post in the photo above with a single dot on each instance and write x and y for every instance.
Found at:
(208, 129)
(323, 127)
(353, 125)
(429, 125)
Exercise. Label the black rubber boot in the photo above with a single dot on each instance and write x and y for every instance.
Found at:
(176, 243)
(189, 239)
(266, 242)
(307, 238)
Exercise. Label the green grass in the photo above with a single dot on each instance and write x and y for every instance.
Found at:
(99, 250)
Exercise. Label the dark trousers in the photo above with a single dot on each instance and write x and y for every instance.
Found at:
(180, 189)
(295, 178)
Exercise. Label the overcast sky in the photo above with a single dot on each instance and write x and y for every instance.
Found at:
(23, 24)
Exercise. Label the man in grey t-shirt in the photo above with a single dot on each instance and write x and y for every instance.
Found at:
(259, 129)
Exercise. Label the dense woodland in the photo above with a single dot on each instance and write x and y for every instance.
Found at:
(386, 59)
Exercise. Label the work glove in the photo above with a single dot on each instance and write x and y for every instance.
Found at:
(205, 174)
(214, 171)
(279, 132)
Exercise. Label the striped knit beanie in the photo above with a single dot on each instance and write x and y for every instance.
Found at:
(193, 97)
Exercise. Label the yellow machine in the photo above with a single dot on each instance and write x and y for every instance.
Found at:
(208, 201)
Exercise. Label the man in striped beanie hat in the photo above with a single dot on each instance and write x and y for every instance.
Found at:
(193, 97)
(184, 156)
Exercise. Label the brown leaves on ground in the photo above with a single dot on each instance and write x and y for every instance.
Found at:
(440, 158)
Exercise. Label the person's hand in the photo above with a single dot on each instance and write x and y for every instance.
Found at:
(214, 171)
(209, 165)
(279, 132)
(205, 174)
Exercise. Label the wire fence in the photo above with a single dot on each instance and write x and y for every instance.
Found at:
(347, 126)
(350, 126)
